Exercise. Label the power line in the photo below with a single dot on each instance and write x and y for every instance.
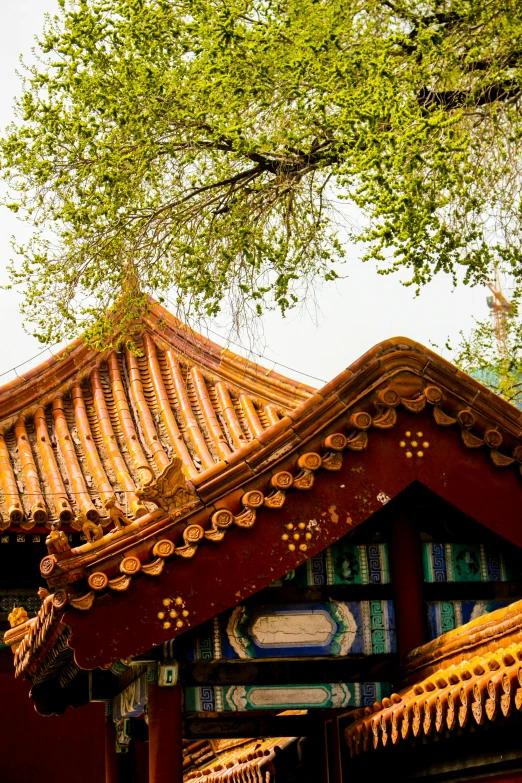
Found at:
(66, 493)
(259, 355)
(211, 331)
(15, 368)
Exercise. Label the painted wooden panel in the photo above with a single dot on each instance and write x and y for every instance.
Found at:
(333, 628)
(130, 703)
(246, 698)
(343, 564)
(466, 563)
(444, 616)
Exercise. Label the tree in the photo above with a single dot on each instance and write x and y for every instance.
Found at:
(201, 146)
(495, 357)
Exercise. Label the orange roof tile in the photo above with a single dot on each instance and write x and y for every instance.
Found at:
(251, 760)
(470, 674)
(83, 426)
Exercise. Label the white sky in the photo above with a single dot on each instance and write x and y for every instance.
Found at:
(354, 314)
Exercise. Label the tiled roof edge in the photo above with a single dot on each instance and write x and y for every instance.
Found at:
(464, 640)
(39, 384)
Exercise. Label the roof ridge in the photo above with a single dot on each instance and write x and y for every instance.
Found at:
(72, 363)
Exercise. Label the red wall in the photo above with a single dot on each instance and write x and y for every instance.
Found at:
(60, 749)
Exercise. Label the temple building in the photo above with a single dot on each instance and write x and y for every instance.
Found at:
(232, 576)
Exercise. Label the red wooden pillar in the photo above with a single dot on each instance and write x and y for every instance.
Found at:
(408, 580)
(165, 728)
(112, 767)
(325, 772)
(336, 775)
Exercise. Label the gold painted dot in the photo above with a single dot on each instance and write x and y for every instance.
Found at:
(301, 525)
(408, 434)
(420, 454)
(185, 613)
(308, 536)
(426, 444)
(296, 536)
(303, 547)
(291, 547)
(419, 434)
(289, 526)
(402, 444)
(179, 601)
(414, 444)
(167, 624)
(284, 537)
(173, 613)
(167, 601)
(179, 624)
(409, 454)
(161, 615)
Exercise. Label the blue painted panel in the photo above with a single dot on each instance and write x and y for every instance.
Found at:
(444, 616)
(332, 628)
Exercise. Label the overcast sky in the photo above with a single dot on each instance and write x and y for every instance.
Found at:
(353, 314)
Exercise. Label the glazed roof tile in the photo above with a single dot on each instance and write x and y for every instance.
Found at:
(472, 674)
(248, 761)
(83, 426)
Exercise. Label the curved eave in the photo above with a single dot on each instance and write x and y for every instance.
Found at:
(267, 384)
(39, 385)
(496, 629)
(471, 675)
(385, 360)
(42, 383)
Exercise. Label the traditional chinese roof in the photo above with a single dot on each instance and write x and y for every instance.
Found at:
(82, 426)
(399, 415)
(472, 674)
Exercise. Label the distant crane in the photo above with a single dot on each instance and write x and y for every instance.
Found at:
(500, 308)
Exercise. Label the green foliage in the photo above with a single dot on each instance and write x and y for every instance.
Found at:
(498, 369)
(200, 146)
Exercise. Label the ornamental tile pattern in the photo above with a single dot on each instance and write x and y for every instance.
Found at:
(468, 676)
(86, 428)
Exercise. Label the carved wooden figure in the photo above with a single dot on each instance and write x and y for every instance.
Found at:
(91, 531)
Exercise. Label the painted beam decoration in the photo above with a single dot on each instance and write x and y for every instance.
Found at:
(466, 563)
(130, 703)
(247, 698)
(343, 564)
(444, 616)
(295, 630)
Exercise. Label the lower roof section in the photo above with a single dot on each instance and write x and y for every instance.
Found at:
(469, 676)
(242, 761)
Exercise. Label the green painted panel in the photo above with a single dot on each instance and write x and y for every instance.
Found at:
(247, 698)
